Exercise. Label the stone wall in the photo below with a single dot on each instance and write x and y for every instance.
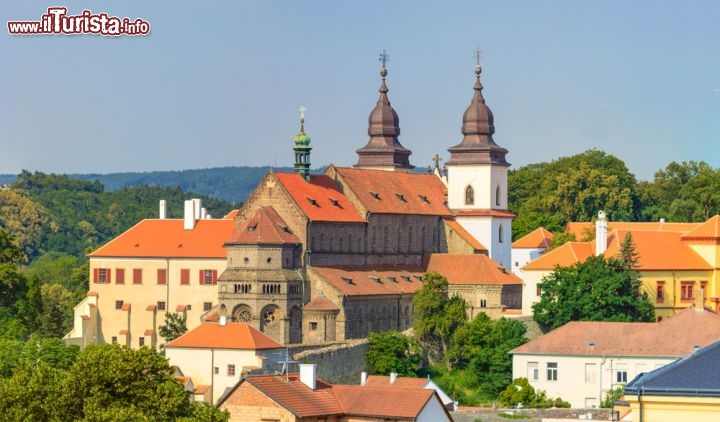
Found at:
(339, 363)
(533, 415)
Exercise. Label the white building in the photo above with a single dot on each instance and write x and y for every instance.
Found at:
(582, 360)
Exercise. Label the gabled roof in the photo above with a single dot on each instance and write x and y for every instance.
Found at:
(566, 255)
(474, 269)
(579, 229)
(694, 375)
(320, 303)
(709, 230)
(400, 382)
(382, 402)
(393, 192)
(320, 199)
(292, 394)
(233, 335)
(689, 328)
(166, 238)
(265, 227)
(460, 230)
(361, 281)
(539, 238)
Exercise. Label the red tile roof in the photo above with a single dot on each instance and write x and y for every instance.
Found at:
(672, 337)
(484, 213)
(265, 226)
(400, 382)
(149, 332)
(580, 229)
(382, 402)
(234, 335)
(320, 303)
(393, 192)
(565, 255)
(361, 281)
(464, 234)
(471, 269)
(296, 397)
(709, 230)
(320, 199)
(167, 238)
(539, 238)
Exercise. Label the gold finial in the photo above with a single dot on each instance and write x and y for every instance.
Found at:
(478, 69)
(384, 58)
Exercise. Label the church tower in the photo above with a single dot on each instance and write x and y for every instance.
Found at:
(477, 180)
(302, 149)
(383, 151)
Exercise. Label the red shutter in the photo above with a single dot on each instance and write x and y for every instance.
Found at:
(120, 276)
(96, 275)
(107, 274)
(184, 276)
(214, 277)
(201, 276)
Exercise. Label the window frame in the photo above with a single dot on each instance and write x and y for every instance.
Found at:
(551, 372)
(137, 275)
(231, 370)
(686, 291)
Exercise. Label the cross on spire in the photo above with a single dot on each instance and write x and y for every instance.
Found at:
(302, 110)
(436, 159)
(384, 58)
(477, 55)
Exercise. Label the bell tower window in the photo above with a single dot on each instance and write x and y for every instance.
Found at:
(497, 195)
(469, 195)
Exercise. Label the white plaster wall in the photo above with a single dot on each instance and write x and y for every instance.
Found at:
(433, 411)
(571, 385)
(484, 179)
(529, 291)
(486, 231)
(522, 256)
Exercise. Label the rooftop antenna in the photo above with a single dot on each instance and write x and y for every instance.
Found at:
(286, 363)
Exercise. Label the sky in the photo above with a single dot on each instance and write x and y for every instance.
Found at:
(219, 83)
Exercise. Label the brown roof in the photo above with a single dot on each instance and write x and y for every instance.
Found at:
(392, 192)
(320, 303)
(471, 269)
(539, 238)
(265, 226)
(385, 402)
(361, 281)
(579, 229)
(234, 335)
(167, 238)
(400, 382)
(296, 397)
(320, 199)
(672, 337)
(709, 230)
(465, 234)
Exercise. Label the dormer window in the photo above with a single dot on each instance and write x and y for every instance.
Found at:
(401, 197)
(335, 202)
(286, 229)
(406, 278)
(424, 199)
(251, 228)
(376, 279)
(393, 279)
(347, 280)
(375, 196)
(312, 201)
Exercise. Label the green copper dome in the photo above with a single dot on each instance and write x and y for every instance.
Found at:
(301, 139)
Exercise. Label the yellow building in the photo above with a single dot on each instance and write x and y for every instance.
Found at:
(685, 390)
(676, 261)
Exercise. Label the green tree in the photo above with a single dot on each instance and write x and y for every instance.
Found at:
(13, 288)
(437, 316)
(392, 351)
(521, 393)
(594, 290)
(174, 327)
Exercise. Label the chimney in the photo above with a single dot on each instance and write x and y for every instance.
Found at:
(163, 209)
(189, 216)
(308, 374)
(393, 377)
(363, 377)
(203, 213)
(699, 299)
(197, 206)
(601, 229)
(223, 321)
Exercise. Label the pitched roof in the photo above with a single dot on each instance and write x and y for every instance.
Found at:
(565, 255)
(579, 229)
(392, 192)
(471, 269)
(265, 226)
(694, 375)
(382, 402)
(320, 303)
(689, 328)
(320, 199)
(234, 335)
(400, 382)
(361, 281)
(460, 230)
(709, 230)
(166, 238)
(292, 394)
(539, 238)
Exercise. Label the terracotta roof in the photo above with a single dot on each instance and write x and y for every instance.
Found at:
(123, 332)
(168, 239)
(471, 269)
(400, 382)
(464, 234)
(201, 389)
(658, 251)
(361, 281)
(565, 255)
(320, 303)
(180, 308)
(393, 192)
(296, 397)
(231, 215)
(91, 293)
(580, 228)
(234, 335)
(688, 328)
(383, 402)
(265, 226)
(709, 230)
(149, 332)
(125, 307)
(539, 238)
(320, 199)
(151, 307)
(484, 213)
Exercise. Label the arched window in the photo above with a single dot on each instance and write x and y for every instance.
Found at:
(500, 233)
(497, 195)
(469, 195)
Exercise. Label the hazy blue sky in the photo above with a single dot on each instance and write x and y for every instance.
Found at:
(218, 83)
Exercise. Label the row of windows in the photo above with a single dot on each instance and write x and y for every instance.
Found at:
(230, 370)
(686, 290)
(162, 305)
(470, 195)
(104, 276)
(551, 372)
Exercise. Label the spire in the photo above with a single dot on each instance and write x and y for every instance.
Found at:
(384, 150)
(477, 146)
(302, 149)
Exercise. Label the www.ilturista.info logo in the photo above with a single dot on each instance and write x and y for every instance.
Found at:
(57, 21)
